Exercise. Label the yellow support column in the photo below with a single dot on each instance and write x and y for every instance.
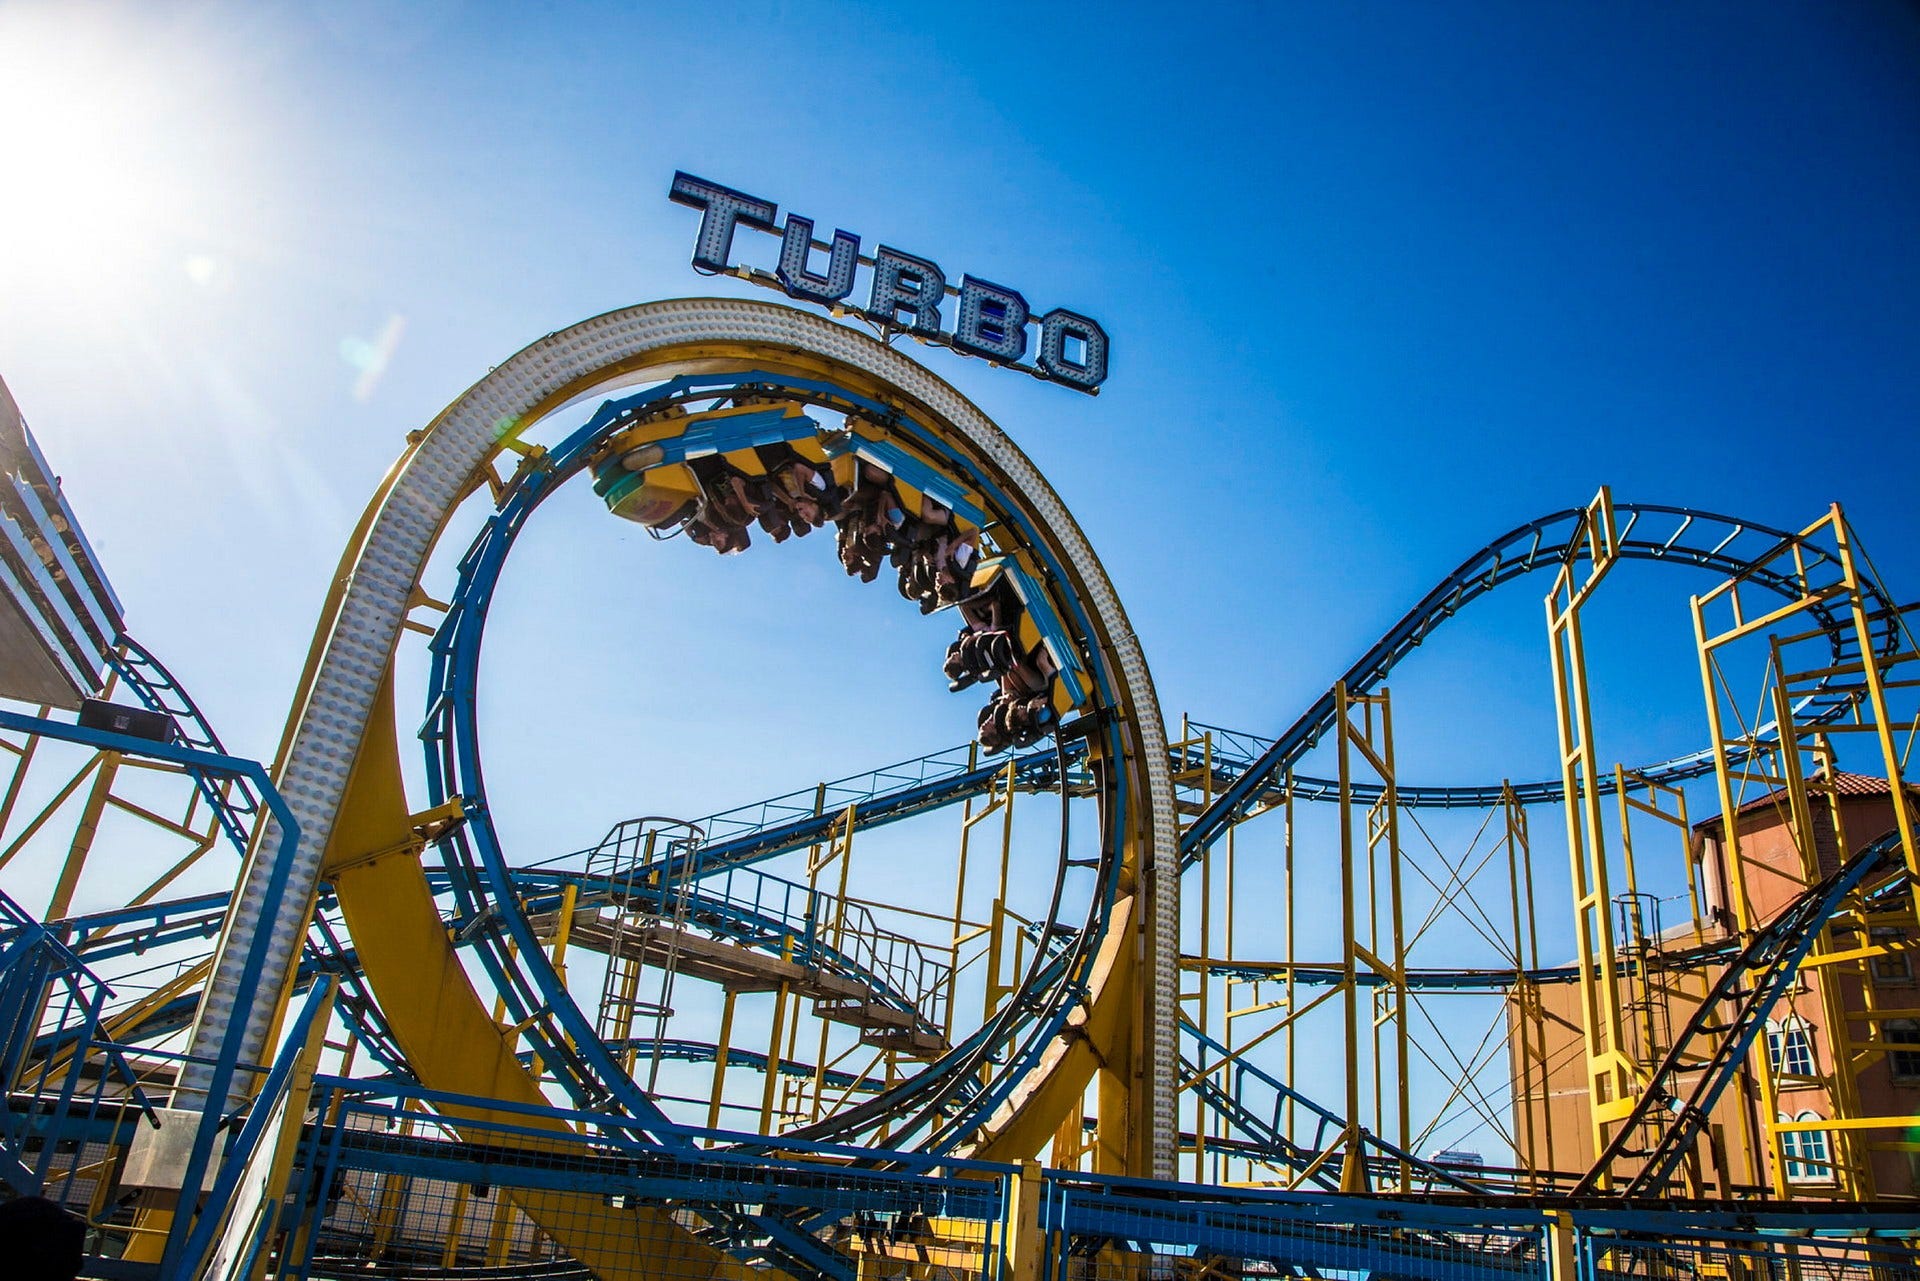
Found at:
(1023, 1247)
(770, 1087)
(1384, 954)
(83, 834)
(1892, 758)
(20, 768)
(1353, 1169)
(1529, 1015)
(960, 936)
(1292, 955)
(1563, 1253)
(720, 1046)
(1612, 1082)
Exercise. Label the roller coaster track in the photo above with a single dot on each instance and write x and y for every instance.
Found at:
(1246, 773)
(1266, 1135)
(479, 901)
(1659, 534)
(341, 812)
(1249, 771)
(1753, 982)
(484, 885)
(234, 801)
(1243, 765)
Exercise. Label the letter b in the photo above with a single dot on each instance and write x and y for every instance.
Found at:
(993, 320)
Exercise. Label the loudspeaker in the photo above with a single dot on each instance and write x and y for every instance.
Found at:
(137, 722)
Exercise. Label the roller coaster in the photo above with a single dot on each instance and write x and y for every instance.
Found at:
(374, 1038)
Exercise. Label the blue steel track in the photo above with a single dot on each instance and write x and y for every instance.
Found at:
(1250, 771)
(941, 1103)
(492, 898)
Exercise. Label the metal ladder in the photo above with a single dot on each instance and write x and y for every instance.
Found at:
(653, 888)
(1645, 1011)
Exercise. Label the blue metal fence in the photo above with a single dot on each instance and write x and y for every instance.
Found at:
(1124, 1229)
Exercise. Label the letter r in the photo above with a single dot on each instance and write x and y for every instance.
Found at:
(904, 281)
(993, 320)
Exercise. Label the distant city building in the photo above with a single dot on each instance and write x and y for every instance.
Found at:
(1457, 1156)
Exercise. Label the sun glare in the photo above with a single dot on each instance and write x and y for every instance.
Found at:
(92, 185)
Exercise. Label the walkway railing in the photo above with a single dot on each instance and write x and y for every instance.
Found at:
(797, 922)
(68, 1096)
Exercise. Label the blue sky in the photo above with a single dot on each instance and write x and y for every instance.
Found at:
(1382, 282)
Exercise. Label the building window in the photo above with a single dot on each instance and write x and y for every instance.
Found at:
(1790, 1047)
(1805, 1152)
(1799, 1049)
(1894, 967)
(1906, 1063)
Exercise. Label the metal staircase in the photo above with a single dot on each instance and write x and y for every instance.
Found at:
(649, 882)
(1750, 985)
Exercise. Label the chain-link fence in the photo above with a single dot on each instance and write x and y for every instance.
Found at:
(387, 1187)
(1127, 1230)
(1787, 1255)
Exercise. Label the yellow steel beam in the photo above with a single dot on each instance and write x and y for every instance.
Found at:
(445, 1031)
(1613, 1076)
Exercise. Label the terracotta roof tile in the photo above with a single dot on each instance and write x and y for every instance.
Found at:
(1840, 782)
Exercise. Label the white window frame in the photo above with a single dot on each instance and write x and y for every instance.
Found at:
(1898, 965)
(1790, 1041)
(1807, 1155)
